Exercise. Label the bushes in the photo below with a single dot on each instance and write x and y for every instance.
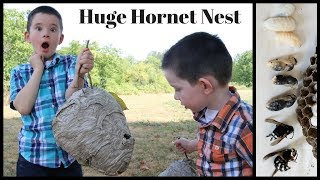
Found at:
(242, 69)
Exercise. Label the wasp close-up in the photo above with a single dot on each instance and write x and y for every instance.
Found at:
(280, 102)
(283, 157)
(286, 80)
(284, 63)
(280, 132)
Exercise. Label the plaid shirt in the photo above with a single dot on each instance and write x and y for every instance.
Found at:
(36, 140)
(225, 143)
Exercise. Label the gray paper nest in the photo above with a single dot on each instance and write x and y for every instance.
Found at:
(92, 127)
(185, 167)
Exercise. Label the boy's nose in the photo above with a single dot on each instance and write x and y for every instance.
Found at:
(45, 33)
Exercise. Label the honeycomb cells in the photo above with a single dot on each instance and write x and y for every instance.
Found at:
(307, 100)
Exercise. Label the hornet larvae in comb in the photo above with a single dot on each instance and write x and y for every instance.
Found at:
(285, 9)
(288, 38)
(280, 23)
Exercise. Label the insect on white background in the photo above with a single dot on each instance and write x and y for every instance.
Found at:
(267, 48)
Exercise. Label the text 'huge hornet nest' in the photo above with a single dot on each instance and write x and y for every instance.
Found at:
(92, 127)
(307, 104)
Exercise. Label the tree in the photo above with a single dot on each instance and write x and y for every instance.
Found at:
(242, 69)
(74, 48)
(15, 49)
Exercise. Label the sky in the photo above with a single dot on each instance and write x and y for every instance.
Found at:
(137, 39)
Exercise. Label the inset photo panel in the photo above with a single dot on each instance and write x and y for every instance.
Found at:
(286, 89)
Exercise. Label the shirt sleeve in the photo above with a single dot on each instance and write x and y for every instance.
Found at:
(244, 146)
(16, 84)
(72, 70)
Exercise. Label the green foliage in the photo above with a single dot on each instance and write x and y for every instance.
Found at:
(74, 48)
(123, 75)
(242, 69)
(15, 49)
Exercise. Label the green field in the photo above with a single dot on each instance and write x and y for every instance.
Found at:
(154, 121)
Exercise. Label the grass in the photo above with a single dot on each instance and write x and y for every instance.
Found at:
(154, 120)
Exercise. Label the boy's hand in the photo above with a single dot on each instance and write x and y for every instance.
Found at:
(85, 62)
(184, 145)
(37, 61)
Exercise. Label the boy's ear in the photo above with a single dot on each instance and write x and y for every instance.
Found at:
(61, 38)
(26, 36)
(206, 84)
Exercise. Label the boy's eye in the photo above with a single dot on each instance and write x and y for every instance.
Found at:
(38, 28)
(53, 29)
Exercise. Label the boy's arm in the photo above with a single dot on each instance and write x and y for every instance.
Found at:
(185, 145)
(84, 64)
(194, 145)
(26, 97)
(76, 84)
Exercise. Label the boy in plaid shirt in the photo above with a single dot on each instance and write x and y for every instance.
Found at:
(38, 88)
(199, 68)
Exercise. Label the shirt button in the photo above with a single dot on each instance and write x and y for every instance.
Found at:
(52, 105)
(216, 147)
(49, 87)
(201, 155)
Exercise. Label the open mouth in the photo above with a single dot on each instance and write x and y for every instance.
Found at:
(45, 45)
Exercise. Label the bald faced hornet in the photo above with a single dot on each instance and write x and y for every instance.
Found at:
(281, 161)
(280, 102)
(284, 63)
(286, 80)
(280, 132)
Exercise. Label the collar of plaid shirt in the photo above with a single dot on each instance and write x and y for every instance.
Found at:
(224, 115)
(55, 60)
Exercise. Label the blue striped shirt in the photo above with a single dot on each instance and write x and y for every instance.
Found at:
(36, 140)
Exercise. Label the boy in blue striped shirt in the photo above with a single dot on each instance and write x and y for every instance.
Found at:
(38, 88)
